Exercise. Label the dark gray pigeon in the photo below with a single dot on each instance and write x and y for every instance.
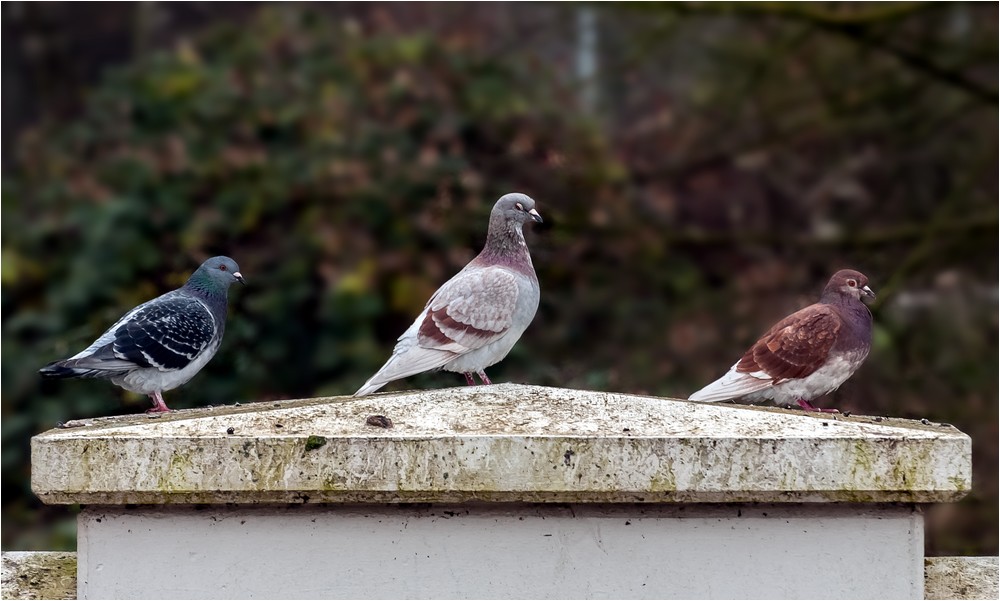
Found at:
(475, 318)
(807, 354)
(162, 343)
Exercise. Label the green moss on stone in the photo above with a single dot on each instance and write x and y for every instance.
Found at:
(315, 442)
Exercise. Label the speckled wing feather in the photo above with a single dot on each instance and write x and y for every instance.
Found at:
(470, 311)
(167, 334)
(795, 347)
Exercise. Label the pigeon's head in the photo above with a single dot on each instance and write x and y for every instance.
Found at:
(519, 208)
(220, 271)
(849, 283)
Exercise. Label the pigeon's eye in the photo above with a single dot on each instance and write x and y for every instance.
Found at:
(852, 283)
(223, 268)
(520, 207)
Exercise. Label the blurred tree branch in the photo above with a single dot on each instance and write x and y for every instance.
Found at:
(813, 12)
(940, 223)
(857, 26)
(921, 231)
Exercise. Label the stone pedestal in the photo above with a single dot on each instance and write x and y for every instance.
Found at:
(500, 491)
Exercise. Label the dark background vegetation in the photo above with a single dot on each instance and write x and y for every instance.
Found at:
(702, 168)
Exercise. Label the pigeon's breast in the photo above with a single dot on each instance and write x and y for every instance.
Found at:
(856, 332)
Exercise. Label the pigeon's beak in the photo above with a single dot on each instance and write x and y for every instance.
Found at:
(534, 215)
(868, 292)
(239, 278)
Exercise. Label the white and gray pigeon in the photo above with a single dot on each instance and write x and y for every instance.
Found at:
(807, 354)
(162, 343)
(474, 319)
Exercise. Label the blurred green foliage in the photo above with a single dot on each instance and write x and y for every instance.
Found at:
(349, 175)
(350, 171)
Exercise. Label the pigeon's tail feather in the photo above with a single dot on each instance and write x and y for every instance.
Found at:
(56, 370)
(369, 388)
(59, 371)
(413, 361)
(732, 386)
(85, 368)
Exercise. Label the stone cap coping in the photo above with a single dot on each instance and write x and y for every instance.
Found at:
(495, 443)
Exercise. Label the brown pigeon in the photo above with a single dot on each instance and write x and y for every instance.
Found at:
(807, 354)
(475, 318)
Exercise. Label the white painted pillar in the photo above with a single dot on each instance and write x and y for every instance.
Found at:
(500, 492)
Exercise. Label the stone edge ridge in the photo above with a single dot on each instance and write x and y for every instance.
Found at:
(498, 468)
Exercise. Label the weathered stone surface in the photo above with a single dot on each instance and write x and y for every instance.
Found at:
(499, 443)
(961, 578)
(39, 575)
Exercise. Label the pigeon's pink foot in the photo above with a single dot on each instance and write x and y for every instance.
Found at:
(484, 377)
(806, 405)
(469, 380)
(158, 405)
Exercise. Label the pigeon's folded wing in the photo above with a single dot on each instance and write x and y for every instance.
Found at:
(795, 347)
(471, 311)
(167, 334)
